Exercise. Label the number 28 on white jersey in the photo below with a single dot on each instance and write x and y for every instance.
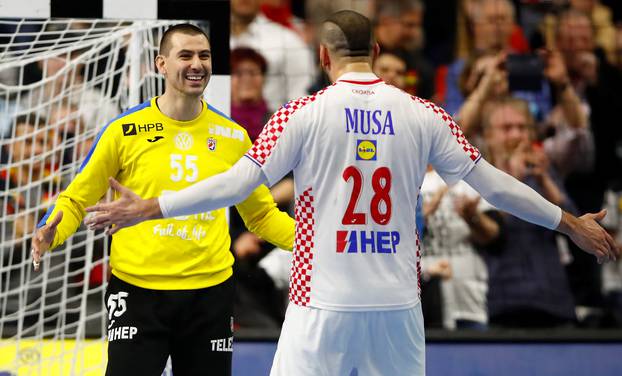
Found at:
(359, 151)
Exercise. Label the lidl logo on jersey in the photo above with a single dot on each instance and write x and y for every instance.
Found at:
(369, 121)
(363, 241)
(132, 129)
(366, 150)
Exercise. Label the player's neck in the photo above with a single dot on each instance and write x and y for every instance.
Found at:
(354, 67)
(180, 108)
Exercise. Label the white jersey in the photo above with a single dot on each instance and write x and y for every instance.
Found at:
(359, 151)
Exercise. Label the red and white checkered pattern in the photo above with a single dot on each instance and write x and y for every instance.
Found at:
(300, 280)
(262, 148)
(471, 150)
(418, 263)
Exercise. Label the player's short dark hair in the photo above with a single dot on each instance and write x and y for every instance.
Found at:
(185, 28)
(348, 33)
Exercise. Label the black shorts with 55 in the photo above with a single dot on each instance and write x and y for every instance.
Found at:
(194, 327)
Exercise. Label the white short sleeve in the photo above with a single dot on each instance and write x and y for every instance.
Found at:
(277, 149)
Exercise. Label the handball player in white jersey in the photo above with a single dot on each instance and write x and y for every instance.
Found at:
(359, 150)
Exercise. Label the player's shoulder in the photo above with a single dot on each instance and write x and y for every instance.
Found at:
(427, 106)
(132, 113)
(221, 124)
(222, 128)
(127, 120)
(306, 100)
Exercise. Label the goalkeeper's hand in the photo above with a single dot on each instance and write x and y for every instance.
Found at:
(128, 210)
(42, 239)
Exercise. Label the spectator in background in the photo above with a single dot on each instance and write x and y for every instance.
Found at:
(618, 62)
(528, 286)
(77, 138)
(63, 80)
(398, 30)
(28, 181)
(391, 69)
(565, 132)
(280, 11)
(248, 106)
(597, 84)
(290, 63)
(488, 25)
(490, 28)
(601, 18)
(612, 274)
(457, 222)
(259, 303)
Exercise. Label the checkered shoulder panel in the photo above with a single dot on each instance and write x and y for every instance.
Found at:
(262, 148)
(471, 150)
(302, 265)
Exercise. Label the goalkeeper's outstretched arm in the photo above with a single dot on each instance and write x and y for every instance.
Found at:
(89, 186)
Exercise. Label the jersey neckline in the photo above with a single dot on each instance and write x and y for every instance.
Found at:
(181, 123)
(360, 78)
(362, 82)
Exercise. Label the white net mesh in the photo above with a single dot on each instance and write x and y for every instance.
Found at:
(60, 82)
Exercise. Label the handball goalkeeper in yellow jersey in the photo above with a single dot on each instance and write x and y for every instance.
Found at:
(171, 291)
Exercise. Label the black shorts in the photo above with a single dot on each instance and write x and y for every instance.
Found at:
(194, 327)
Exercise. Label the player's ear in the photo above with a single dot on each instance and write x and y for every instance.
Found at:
(324, 58)
(160, 64)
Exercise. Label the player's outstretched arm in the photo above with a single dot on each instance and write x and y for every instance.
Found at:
(226, 189)
(516, 198)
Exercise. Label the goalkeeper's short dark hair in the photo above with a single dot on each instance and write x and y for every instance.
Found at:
(184, 28)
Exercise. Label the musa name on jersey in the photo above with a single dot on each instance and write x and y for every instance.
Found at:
(152, 154)
(359, 151)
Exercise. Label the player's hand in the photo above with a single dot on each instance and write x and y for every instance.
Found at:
(247, 245)
(42, 239)
(128, 210)
(590, 236)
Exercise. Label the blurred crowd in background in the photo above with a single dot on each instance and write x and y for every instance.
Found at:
(534, 85)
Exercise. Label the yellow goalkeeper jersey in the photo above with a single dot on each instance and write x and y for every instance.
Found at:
(152, 154)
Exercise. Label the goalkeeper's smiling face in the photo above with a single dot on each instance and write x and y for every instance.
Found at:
(188, 65)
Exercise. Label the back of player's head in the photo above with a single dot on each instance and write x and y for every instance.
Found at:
(185, 28)
(348, 34)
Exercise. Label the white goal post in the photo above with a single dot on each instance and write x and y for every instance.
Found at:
(61, 81)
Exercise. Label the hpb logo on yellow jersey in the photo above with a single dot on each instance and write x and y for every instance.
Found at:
(366, 150)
